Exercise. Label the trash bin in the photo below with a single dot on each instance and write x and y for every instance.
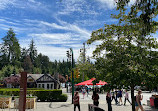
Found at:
(151, 101)
(154, 101)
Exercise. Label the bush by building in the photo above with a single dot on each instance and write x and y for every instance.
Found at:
(41, 94)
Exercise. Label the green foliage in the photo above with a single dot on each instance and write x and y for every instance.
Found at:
(10, 48)
(8, 70)
(5, 96)
(86, 68)
(141, 12)
(32, 51)
(41, 94)
(63, 98)
(27, 65)
(9, 92)
(36, 70)
(27, 59)
(130, 50)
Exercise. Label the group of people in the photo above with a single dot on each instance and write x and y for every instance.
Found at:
(95, 98)
(113, 95)
(84, 91)
(118, 94)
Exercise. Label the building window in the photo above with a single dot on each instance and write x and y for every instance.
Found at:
(42, 85)
(47, 86)
(52, 86)
(39, 85)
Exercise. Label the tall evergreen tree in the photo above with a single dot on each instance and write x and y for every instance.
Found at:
(10, 47)
(32, 51)
(24, 53)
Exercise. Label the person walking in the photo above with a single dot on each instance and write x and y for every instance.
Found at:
(120, 97)
(76, 100)
(108, 100)
(83, 92)
(116, 95)
(87, 90)
(95, 98)
(113, 96)
(126, 97)
(139, 98)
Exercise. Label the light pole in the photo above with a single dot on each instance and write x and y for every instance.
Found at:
(70, 55)
(83, 54)
(72, 74)
(67, 77)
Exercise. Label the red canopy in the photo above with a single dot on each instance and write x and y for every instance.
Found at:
(101, 83)
(89, 82)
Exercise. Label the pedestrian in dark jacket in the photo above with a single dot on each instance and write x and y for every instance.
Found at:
(95, 98)
(108, 99)
(113, 97)
(76, 101)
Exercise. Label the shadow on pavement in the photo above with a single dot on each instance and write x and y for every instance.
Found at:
(64, 105)
(151, 109)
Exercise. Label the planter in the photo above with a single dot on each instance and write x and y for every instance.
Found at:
(30, 103)
(5, 102)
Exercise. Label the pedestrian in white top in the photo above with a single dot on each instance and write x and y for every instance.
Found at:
(126, 97)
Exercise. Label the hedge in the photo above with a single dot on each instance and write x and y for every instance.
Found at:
(42, 95)
(63, 98)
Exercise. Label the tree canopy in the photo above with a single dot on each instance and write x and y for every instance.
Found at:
(128, 47)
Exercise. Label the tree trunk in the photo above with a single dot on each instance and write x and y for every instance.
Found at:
(132, 97)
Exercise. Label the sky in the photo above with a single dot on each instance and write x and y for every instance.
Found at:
(56, 25)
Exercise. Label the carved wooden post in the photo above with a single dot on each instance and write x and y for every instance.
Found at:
(23, 86)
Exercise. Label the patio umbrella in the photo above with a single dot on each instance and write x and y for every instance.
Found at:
(88, 82)
(101, 83)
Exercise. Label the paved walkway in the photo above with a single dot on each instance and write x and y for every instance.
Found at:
(67, 106)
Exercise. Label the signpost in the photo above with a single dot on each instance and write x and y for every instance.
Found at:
(23, 86)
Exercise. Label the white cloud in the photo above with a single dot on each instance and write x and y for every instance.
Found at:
(75, 28)
(5, 3)
(76, 6)
(52, 44)
(59, 53)
(56, 53)
(31, 5)
(110, 4)
(53, 36)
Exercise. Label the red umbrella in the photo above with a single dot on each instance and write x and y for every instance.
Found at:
(101, 83)
(88, 82)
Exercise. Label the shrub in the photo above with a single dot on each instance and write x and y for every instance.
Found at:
(63, 98)
(47, 95)
(35, 89)
(41, 94)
